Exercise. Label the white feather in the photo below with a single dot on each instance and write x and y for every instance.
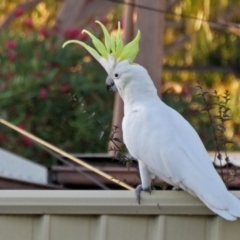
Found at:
(167, 144)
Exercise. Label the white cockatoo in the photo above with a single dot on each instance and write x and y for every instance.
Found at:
(164, 143)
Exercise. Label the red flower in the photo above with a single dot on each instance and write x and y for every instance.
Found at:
(26, 141)
(186, 91)
(121, 23)
(52, 47)
(12, 56)
(43, 93)
(9, 75)
(3, 138)
(103, 20)
(72, 33)
(18, 12)
(37, 74)
(22, 126)
(83, 37)
(49, 66)
(56, 29)
(28, 23)
(203, 136)
(3, 86)
(11, 45)
(65, 88)
(44, 32)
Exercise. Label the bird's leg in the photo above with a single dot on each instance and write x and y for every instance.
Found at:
(146, 177)
(138, 191)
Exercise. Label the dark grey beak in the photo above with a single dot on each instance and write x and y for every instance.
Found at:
(111, 85)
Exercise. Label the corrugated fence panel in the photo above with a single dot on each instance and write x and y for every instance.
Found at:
(109, 215)
(16, 227)
(223, 230)
(125, 227)
(108, 227)
(185, 227)
(72, 227)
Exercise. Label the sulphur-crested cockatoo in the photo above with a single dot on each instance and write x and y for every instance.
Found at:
(164, 143)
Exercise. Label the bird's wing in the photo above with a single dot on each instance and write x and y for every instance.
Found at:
(203, 182)
(188, 163)
(172, 149)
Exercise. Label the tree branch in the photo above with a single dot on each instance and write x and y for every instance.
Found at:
(171, 4)
(78, 13)
(207, 68)
(177, 44)
(11, 16)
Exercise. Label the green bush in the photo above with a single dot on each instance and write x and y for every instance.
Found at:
(40, 87)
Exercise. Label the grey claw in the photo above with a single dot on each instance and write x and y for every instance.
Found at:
(138, 190)
(138, 193)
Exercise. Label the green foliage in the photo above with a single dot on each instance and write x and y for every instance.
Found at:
(40, 88)
(190, 105)
(41, 83)
(43, 14)
(210, 55)
(193, 105)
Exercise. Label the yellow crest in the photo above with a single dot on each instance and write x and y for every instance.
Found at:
(113, 49)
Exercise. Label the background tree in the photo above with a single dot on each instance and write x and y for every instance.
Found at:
(41, 83)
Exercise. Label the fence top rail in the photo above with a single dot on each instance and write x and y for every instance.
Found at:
(100, 202)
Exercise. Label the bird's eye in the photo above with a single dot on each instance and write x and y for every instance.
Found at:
(116, 75)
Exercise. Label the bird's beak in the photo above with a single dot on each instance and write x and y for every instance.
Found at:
(111, 85)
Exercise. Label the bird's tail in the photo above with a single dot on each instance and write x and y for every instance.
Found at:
(234, 208)
(232, 211)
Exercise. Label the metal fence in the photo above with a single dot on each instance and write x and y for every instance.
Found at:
(111, 215)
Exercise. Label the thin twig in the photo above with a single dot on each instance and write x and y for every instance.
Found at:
(207, 109)
(24, 6)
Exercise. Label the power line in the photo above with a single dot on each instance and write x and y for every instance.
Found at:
(174, 14)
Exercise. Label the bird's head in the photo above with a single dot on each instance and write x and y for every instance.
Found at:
(115, 58)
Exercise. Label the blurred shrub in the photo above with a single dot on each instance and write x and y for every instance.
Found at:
(40, 85)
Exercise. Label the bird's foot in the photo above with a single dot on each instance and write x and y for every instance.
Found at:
(138, 191)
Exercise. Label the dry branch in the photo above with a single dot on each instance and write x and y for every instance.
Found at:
(78, 13)
(24, 6)
(67, 155)
(207, 68)
(177, 44)
(151, 24)
(171, 4)
(118, 102)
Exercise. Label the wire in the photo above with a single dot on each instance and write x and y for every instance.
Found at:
(224, 25)
(73, 166)
(65, 154)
